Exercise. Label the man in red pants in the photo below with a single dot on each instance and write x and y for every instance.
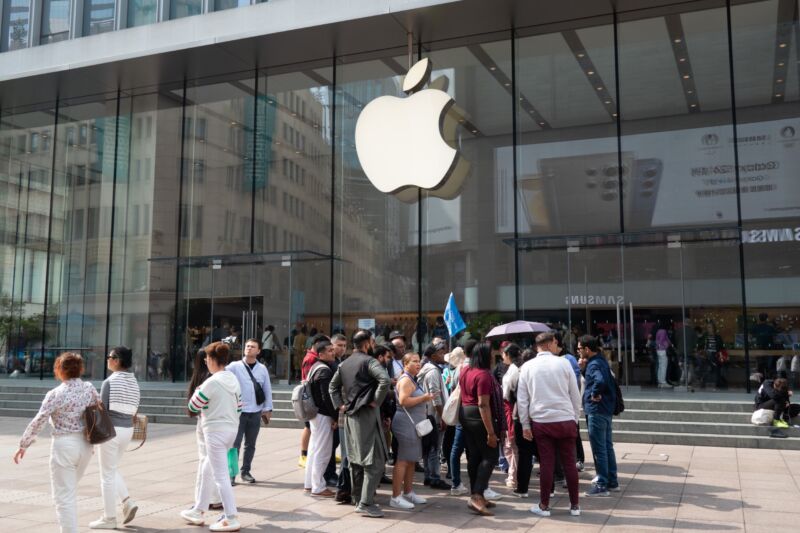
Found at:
(548, 402)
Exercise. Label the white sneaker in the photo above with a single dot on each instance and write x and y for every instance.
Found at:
(519, 494)
(491, 495)
(413, 498)
(580, 466)
(225, 523)
(129, 509)
(460, 490)
(575, 511)
(103, 523)
(401, 503)
(193, 516)
(539, 511)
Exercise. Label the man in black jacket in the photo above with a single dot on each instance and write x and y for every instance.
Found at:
(322, 425)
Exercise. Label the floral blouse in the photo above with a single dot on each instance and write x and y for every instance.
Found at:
(64, 406)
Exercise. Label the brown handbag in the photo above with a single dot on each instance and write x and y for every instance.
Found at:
(99, 427)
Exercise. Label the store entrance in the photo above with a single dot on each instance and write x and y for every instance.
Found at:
(666, 306)
(233, 298)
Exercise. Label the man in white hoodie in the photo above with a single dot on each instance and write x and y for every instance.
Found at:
(548, 402)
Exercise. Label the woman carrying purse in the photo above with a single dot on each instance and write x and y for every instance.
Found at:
(411, 401)
(70, 452)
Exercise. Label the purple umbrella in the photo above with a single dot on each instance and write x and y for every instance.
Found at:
(518, 327)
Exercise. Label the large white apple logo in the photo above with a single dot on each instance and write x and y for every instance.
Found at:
(399, 140)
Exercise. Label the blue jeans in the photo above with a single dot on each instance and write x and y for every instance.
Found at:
(605, 461)
(430, 453)
(455, 456)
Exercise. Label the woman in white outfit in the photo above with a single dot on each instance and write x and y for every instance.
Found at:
(200, 373)
(120, 395)
(219, 402)
(69, 450)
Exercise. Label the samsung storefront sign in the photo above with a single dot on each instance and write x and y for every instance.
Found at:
(760, 236)
(404, 143)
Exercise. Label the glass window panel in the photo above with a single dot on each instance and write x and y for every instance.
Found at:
(219, 5)
(218, 151)
(15, 24)
(185, 8)
(567, 146)
(55, 21)
(142, 299)
(677, 125)
(24, 218)
(765, 41)
(378, 272)
(98, 16)
(461, 228)
(78, 292)
(141, 12)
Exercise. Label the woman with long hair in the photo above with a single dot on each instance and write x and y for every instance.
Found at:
(200, 373)
(120, 394)
(70, 452)
(411, 401)
(482, 420)
(219, 399)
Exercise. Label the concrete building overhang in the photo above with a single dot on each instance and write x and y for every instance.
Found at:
(268, 36)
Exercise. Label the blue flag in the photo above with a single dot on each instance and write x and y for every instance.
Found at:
(452, 318)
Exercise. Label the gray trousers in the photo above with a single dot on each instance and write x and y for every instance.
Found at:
(365, 481)
(249, 425)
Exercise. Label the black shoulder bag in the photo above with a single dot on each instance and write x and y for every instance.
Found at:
(260, 396)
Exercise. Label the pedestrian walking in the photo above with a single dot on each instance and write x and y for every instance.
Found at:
(70, 451)
(120, 393)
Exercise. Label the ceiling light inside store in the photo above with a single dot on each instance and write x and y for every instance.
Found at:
(492, 68)
(782, 45)
(677, 40)
(581, 54)
(778, 95)
(590, 73)
(686, 76)
(683, 59)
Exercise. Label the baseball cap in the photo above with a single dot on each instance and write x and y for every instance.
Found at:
(396, 334)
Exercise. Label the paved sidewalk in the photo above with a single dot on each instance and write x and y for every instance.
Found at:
(678, 488)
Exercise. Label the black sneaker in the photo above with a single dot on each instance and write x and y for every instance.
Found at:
(439, 484)
(247, 478)
(385, 480)
(233, 482)
(418, 468)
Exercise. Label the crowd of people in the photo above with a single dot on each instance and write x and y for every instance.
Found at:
(386, 405)
(382, 405)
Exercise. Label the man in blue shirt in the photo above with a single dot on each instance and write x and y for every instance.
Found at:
(599, 399)
(251, 374)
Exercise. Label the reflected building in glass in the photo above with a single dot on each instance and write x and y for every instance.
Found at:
(632, 168)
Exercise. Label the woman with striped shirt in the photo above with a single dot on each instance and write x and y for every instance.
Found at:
(120, 394)
(219, 402)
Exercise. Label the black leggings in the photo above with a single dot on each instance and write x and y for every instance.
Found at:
(481, 459)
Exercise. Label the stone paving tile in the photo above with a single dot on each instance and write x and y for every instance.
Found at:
(696, 489)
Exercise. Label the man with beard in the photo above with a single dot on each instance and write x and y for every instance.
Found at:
(358, 389)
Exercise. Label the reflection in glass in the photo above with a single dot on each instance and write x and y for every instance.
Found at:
(55, 21)
(25, 154)
(377, 278)
(15, 24)
(141, 12)
(80, 232)
(98, 16)
(185, 8)
(677, 126)
(219, 5)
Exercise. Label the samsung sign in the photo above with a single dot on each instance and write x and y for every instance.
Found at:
(756, 236)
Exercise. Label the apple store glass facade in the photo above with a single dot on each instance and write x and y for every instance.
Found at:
(627, 174)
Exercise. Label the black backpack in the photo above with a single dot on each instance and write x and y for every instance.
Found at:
(619, 407)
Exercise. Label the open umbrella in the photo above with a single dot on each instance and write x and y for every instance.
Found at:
(518, 327)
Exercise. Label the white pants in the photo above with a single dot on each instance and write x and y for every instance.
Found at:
(69, 456)
(112, 485)
(319, 453)
(201, 455)
(214, 471)
(662, 366)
